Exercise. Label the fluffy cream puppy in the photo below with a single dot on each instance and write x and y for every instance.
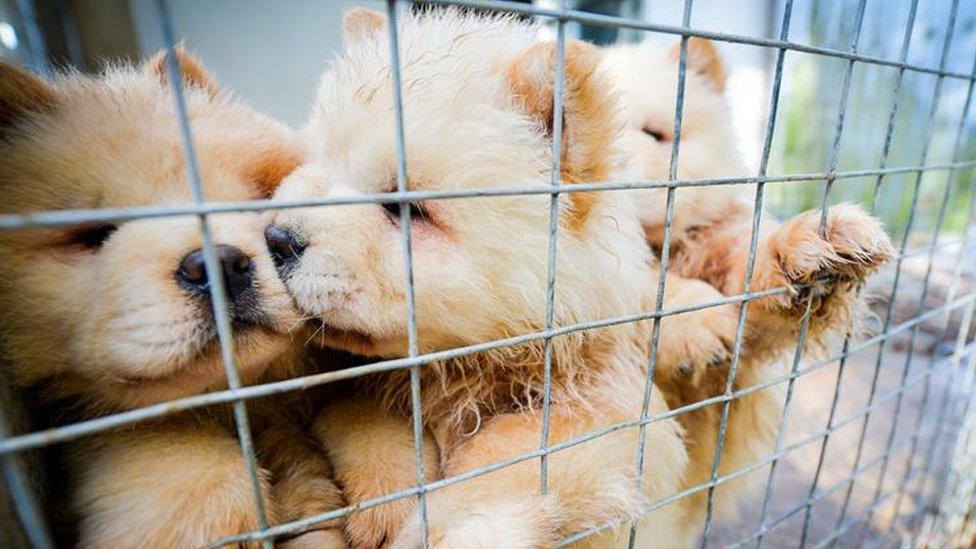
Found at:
(114, 316)
(712, 227)
(477, 96)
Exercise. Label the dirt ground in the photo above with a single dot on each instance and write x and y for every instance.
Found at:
(795, 472)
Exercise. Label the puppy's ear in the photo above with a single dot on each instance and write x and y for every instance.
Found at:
(192, 71)
(22, 93)
(360, 23)
(589, 113)
(704, 59)
(268, 168)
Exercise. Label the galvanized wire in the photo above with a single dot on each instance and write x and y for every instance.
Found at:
(759, 464)
(301, 524)
(665, 256)
(963, 439)
(805, 320)
(815, 497)
(17, 483)
(46, 437)
(941, 416)
(215, 276)
(236, 395)
(898, 265)
(62, 218)
(886, 148)
(895, 103)
(405, 223)
(750, 261)
(956, 151)
(559, 82)
(621, 22)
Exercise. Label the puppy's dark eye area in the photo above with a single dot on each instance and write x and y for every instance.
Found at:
(656, 134)
(417, 212)
(92, 238)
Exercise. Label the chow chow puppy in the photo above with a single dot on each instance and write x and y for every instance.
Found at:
(113, 316)
(478, 104)
(710, 242)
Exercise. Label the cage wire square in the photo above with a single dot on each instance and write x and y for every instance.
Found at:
(903, 421)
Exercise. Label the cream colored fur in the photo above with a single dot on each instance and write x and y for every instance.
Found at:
(477, 103)
(712, 227)
(93, 325)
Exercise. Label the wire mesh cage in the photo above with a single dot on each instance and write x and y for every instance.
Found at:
(920, 478)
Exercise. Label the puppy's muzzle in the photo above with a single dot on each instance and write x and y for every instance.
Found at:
(238, 275)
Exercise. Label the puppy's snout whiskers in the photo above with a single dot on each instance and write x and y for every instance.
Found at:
(285, 247)
(299, 322)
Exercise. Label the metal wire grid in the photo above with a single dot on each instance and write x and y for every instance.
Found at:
(954, 521)
(236, 395)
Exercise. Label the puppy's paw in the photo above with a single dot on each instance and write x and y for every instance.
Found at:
(373, 527)
(329, 538)
(692, 344)
(853, 246)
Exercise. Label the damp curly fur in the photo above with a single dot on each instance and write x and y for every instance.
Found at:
(462, 390)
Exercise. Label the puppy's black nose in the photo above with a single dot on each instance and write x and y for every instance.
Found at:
(283, 245)
(235, 264)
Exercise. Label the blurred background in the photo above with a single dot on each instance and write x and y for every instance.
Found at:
(271, 54)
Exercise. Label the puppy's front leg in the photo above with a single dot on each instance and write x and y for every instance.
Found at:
(165, 484)
(301, 477)
(825, 268)
(694, 353)
(372, 452)
(695, 343)
(588, 484)
(794, 255)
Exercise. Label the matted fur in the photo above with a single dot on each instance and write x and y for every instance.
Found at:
(95, 321)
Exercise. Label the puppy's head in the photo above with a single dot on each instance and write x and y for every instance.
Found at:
(120, 313)
(646, 78)
(477, 97)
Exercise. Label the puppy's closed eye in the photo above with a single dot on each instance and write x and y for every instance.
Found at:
(417, 212)
(657, 134)
(93, 237)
